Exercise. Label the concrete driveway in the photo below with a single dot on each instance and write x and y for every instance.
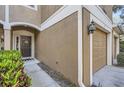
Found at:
(109, 76)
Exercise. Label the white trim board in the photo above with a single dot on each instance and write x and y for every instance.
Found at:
(24, 23)
(91, 58)
(63, 12)
(80, 64)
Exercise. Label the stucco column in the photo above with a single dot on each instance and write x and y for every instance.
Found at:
(7, 38)
(91, 58)
(117, 46)
(109, 48)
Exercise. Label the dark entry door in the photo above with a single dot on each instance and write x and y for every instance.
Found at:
(25, 42)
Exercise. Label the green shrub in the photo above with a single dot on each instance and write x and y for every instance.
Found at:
(12, 70)
(120, 58)
(121, 46)
(12, 55)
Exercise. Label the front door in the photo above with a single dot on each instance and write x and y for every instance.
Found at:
(25, 46)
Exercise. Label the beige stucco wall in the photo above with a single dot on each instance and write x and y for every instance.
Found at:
(20, 13)
(86, 48)
(57, 47)
(48, 10)
(2, 12)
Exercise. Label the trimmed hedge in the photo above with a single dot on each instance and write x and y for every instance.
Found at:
(120, 58)
(121, 46)
(12, 70)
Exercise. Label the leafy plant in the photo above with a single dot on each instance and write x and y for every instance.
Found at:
(120, 58)
(12, 70)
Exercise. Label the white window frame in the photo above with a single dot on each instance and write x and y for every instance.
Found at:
(33, 8)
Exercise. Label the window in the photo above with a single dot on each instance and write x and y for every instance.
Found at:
(34, 7)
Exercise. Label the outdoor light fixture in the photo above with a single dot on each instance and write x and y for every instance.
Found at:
(91, 27)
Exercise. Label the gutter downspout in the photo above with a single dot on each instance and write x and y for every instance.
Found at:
(80, 66)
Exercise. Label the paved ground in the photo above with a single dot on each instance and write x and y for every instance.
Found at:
(39, 77)
(109, 76)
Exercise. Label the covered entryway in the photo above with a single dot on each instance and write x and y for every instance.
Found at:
(99, 50)
(23, 40)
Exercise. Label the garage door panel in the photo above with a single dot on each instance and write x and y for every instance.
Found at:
(99, 49)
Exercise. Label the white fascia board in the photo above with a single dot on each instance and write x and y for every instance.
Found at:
(99, 17)
(63, 12)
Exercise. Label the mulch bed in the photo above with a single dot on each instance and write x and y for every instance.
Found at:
(58, 77)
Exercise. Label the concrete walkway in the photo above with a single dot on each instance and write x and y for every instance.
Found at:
(109, 76)
(39, 77)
